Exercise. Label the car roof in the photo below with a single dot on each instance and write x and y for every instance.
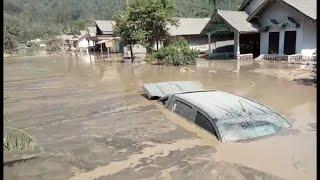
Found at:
(222, 105)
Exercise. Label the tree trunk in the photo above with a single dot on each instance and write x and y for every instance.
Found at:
(131, 53)
(157, 45)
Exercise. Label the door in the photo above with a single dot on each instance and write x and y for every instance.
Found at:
(273, 42)
(290, 42)
(250, 43)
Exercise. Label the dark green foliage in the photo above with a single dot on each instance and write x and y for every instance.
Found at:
(177, 53)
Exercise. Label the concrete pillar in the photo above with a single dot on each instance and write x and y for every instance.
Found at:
(281, 42)
(236, 50)
(209, 42)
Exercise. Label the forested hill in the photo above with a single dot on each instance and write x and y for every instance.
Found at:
(30, 19)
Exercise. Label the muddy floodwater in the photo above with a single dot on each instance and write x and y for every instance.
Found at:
(91, 121)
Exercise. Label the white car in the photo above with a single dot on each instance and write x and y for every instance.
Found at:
(227, 116)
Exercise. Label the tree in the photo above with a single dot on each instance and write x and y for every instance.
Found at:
(145, 22)
(157, 15)
(9, 42)
(128, 29)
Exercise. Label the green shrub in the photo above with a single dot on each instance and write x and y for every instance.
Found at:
(15, 139)
(177, 53)
(150, 58)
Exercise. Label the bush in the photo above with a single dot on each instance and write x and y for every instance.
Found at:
(54, 45)
(149, 58)
(178, 53)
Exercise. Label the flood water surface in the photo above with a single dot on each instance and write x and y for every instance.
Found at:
(91, 121)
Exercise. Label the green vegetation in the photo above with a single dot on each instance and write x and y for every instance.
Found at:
(15, 139)
(177, 53)
(144, 22)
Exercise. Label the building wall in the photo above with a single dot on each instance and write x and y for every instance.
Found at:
(83, 43)
(198, 42)
(306, 34)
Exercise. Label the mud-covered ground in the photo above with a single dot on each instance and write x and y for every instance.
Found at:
(91, 121)
(303, 74)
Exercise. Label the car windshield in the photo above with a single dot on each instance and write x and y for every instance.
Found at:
(248, 127)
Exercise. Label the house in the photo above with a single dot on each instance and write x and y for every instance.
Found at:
(189, 29)
(82, 42)
(268, 28)
(104, 33)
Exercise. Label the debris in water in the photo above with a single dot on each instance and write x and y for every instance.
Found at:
(185, 69)
(212, 71)
(252, 83)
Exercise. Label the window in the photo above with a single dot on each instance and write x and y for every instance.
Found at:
(183, 109)
(203, 122)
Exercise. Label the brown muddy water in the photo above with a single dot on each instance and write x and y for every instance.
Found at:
(91, 121)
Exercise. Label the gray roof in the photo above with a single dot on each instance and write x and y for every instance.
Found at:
(165, 88)
(188, 26)
(92, 31)
(237, 20)
(307, 7)
(105, 25)
(243, 5)
(252, 3)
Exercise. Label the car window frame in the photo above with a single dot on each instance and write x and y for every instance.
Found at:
(174, 99)
(217, 132)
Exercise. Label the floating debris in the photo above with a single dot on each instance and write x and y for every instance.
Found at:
(212, 71)
(252, 83)
(185, 69)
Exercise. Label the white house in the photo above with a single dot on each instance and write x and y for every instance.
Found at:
(82, 42)
(287, 26)
(264, 27)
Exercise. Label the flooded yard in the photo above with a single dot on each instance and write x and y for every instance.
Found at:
(91, 121)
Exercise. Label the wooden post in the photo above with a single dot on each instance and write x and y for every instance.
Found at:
(101, 50)
(108, 52)
(209, 41)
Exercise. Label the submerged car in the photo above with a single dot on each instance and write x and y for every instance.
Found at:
(227, 116)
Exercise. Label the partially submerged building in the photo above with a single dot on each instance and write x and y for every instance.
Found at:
(189, 29)
(82, 41)
(102, 34)
(275, 29)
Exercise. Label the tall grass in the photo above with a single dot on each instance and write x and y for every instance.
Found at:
(15, 139)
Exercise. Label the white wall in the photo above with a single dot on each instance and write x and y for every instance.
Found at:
(306, 34)
(309, 45)
(137, 49)
(83, 43)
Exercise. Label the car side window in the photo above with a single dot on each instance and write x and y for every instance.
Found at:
(182, 109)
(204, 122)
